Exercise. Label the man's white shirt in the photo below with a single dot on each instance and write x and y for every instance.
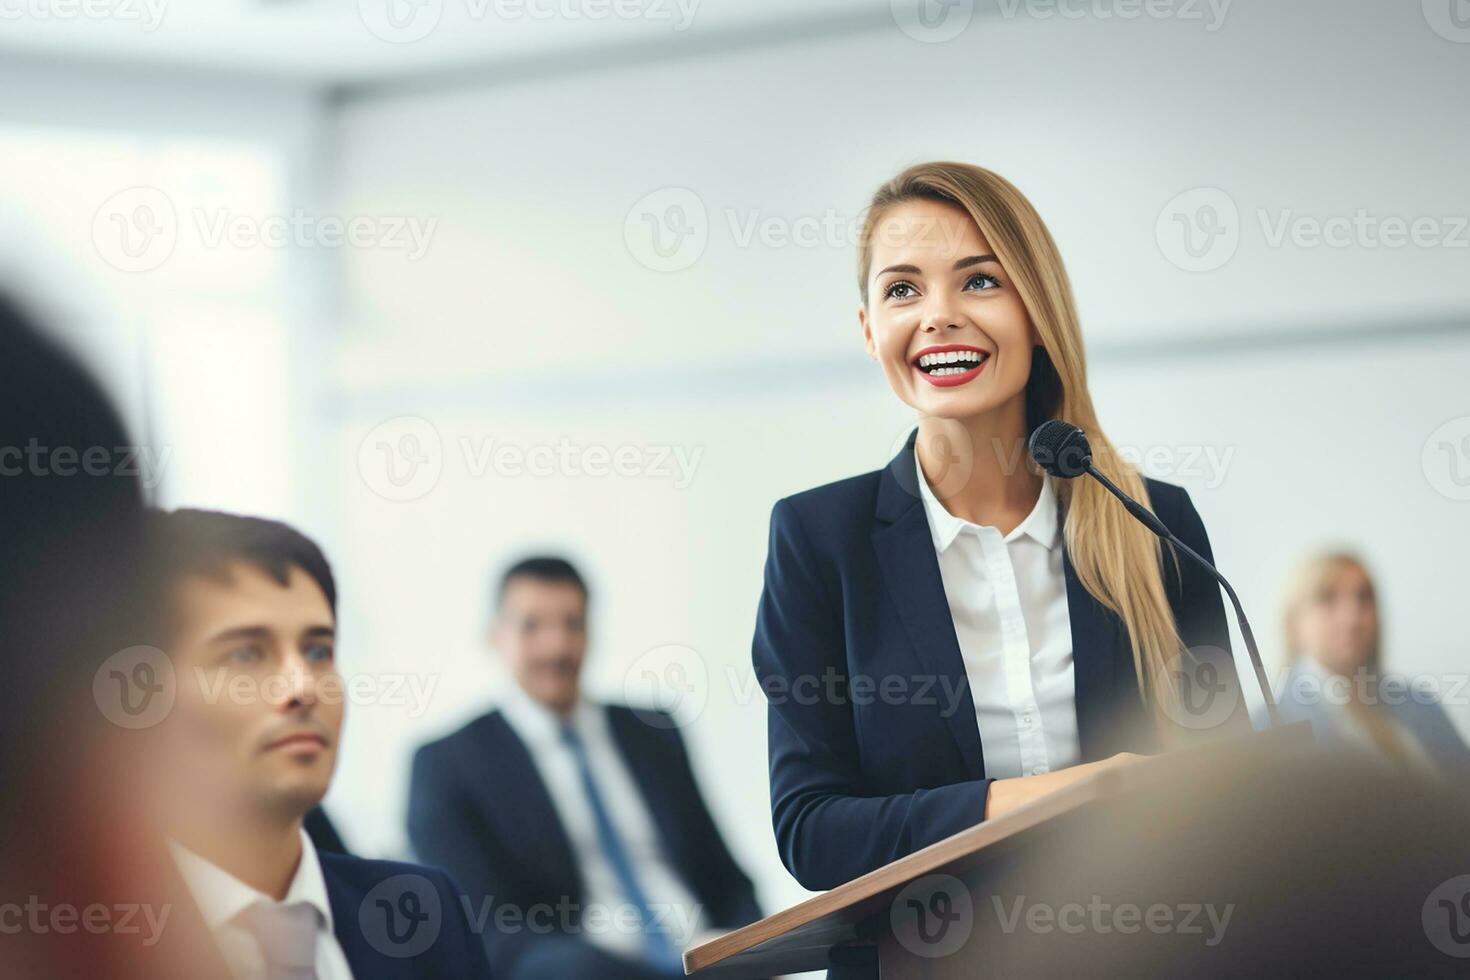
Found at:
(678, 911)
(222, 897)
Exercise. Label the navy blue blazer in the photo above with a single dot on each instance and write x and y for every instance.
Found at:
(478, 807)
(398, 921)
(853, 600)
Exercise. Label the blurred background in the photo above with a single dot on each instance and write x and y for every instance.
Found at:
(445, 281)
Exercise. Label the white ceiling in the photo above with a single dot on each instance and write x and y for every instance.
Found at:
(346, 41)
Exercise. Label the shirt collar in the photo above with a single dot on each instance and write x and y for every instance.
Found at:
(1042, 524)
(221, 896)
(537, 724)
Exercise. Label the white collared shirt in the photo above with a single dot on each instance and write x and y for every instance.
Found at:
(678, 911)
(221, 897)
(1008, 598)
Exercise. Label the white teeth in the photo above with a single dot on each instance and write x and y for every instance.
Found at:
(952, 357)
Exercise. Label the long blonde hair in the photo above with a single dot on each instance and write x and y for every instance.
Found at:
(1117, 560)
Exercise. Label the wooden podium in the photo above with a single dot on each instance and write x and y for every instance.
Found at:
(937, 913)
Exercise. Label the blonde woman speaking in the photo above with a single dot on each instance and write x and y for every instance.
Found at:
(949, 637)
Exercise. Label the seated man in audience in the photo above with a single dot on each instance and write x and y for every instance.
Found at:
(248, 749)
(578, 826)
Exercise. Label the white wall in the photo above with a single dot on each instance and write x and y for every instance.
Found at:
(207, 346)
(531, 319)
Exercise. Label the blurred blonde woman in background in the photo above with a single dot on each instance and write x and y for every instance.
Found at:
(1335, 680)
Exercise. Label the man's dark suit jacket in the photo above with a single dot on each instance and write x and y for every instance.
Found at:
(479, 809)
(399, 921)
(323, 833)
(862, 776)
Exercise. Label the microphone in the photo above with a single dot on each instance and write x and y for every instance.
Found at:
(1061, 449)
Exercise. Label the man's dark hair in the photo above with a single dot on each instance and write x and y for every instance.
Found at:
(203, 542)
(542, 568)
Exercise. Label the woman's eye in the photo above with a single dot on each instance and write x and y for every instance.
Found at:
(319, 653)
(981, 280)
(900, 290)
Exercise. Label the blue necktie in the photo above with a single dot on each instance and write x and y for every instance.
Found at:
(657, 946)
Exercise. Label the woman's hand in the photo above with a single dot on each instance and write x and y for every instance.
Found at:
(1006, 795)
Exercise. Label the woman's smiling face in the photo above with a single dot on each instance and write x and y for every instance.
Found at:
(943, 318)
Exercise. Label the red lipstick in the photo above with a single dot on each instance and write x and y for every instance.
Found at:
(950, 365)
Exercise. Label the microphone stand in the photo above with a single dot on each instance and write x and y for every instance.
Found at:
(1152, 522)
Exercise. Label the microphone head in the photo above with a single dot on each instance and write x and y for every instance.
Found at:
(1060, 448)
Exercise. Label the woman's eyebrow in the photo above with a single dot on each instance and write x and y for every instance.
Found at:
(964, 263)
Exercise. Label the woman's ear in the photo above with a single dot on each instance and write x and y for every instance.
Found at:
(868, 341)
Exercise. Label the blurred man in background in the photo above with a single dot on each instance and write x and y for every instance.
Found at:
(248, 750)
(582, 824)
